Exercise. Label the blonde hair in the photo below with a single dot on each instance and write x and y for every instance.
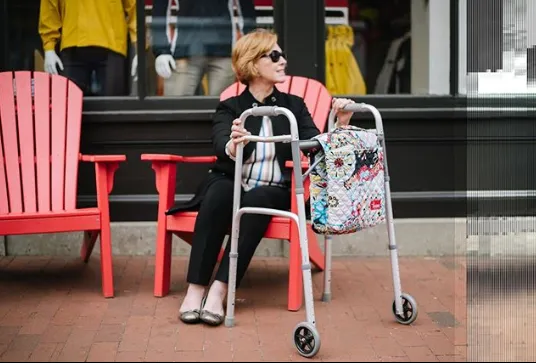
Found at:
(248, 49)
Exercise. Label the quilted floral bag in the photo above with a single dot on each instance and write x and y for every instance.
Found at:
(347, 185)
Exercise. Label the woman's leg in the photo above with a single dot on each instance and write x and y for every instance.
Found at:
(252, 230)
(211, 226)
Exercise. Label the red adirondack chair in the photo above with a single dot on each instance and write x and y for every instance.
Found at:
(40, 123)
(318, 101)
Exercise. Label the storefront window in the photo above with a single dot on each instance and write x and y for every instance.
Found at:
(191, 43)
(387, 47)
(19, 40)
(91, 42)
(497, 47)
(372, 47)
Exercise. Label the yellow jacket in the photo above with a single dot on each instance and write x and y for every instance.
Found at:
(101, 23)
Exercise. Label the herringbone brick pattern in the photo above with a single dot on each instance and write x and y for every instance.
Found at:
(51, 310)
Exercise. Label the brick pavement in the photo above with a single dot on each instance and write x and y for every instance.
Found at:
(51, 310)
(501, 308)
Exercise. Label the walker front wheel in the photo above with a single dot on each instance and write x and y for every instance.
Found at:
(409, 310)
(306, 339)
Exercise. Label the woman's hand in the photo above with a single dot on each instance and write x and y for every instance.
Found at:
(343, 117)
(237, 136)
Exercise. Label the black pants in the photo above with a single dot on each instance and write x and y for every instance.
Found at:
(214, 221)
(109, 67)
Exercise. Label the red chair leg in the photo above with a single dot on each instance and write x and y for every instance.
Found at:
(104, 177)
(295, 278)
(315, 253)
(90, 237)
(162, 272)
(106, 261)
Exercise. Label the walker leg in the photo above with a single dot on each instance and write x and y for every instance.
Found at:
(326, 295)
(235, 232)
(306, 263)
(404, 305)
(233, 260)
(306, 336)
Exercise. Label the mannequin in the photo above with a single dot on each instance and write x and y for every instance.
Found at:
(205, 31)
(93, 42)
(395, 77)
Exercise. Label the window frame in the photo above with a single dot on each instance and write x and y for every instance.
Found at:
(460, 26)
(141, 100)
(170, 103)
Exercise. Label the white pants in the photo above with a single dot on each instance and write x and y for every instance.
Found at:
(186, 78)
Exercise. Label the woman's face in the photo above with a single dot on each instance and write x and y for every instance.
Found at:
(271, 66)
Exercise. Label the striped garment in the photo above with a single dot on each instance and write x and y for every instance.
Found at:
(262, 168)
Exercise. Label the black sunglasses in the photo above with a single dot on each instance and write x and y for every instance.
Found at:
(275, 55)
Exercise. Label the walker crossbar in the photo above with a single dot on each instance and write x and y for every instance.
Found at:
(306, 145)
(229, 319)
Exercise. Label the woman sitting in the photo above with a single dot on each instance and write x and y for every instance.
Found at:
(259, 63)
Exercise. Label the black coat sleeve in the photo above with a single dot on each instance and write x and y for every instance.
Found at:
(306, 125)
(221, 128)
(248, 15)
(226, 112)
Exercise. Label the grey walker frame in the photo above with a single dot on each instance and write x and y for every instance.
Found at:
(306, 336)
(404, 305)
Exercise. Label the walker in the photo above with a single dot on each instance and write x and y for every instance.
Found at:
(404, 305)
(306, 337)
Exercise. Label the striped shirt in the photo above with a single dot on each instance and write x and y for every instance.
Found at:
(262, 168)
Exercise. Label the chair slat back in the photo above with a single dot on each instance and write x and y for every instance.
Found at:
(314, 93)
(40, 123)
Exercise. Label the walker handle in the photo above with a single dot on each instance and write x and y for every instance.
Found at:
(280, 138)
(359, 107)
(273, 111)
(264, 111)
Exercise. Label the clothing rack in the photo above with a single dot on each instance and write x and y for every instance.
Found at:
(334, 15)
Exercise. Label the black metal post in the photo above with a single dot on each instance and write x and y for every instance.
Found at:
(454, 46)
(4, 36)
(279, 21)
(301, 28)
(140, 49)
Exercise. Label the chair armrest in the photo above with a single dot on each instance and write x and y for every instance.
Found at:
(199, 159)
(161, 157)
(105, 168)
(178, 158)
(304, 164)
(165, 168)
(103, 158)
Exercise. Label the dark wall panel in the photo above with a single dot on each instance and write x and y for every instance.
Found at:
(434, 150)
(420, 153)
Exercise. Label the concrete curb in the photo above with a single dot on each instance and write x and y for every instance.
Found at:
(414, 237)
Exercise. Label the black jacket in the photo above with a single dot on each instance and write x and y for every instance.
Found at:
(203, 27)
(231, 109)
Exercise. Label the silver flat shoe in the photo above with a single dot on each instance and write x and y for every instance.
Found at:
(192, 316)
(209, 317)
